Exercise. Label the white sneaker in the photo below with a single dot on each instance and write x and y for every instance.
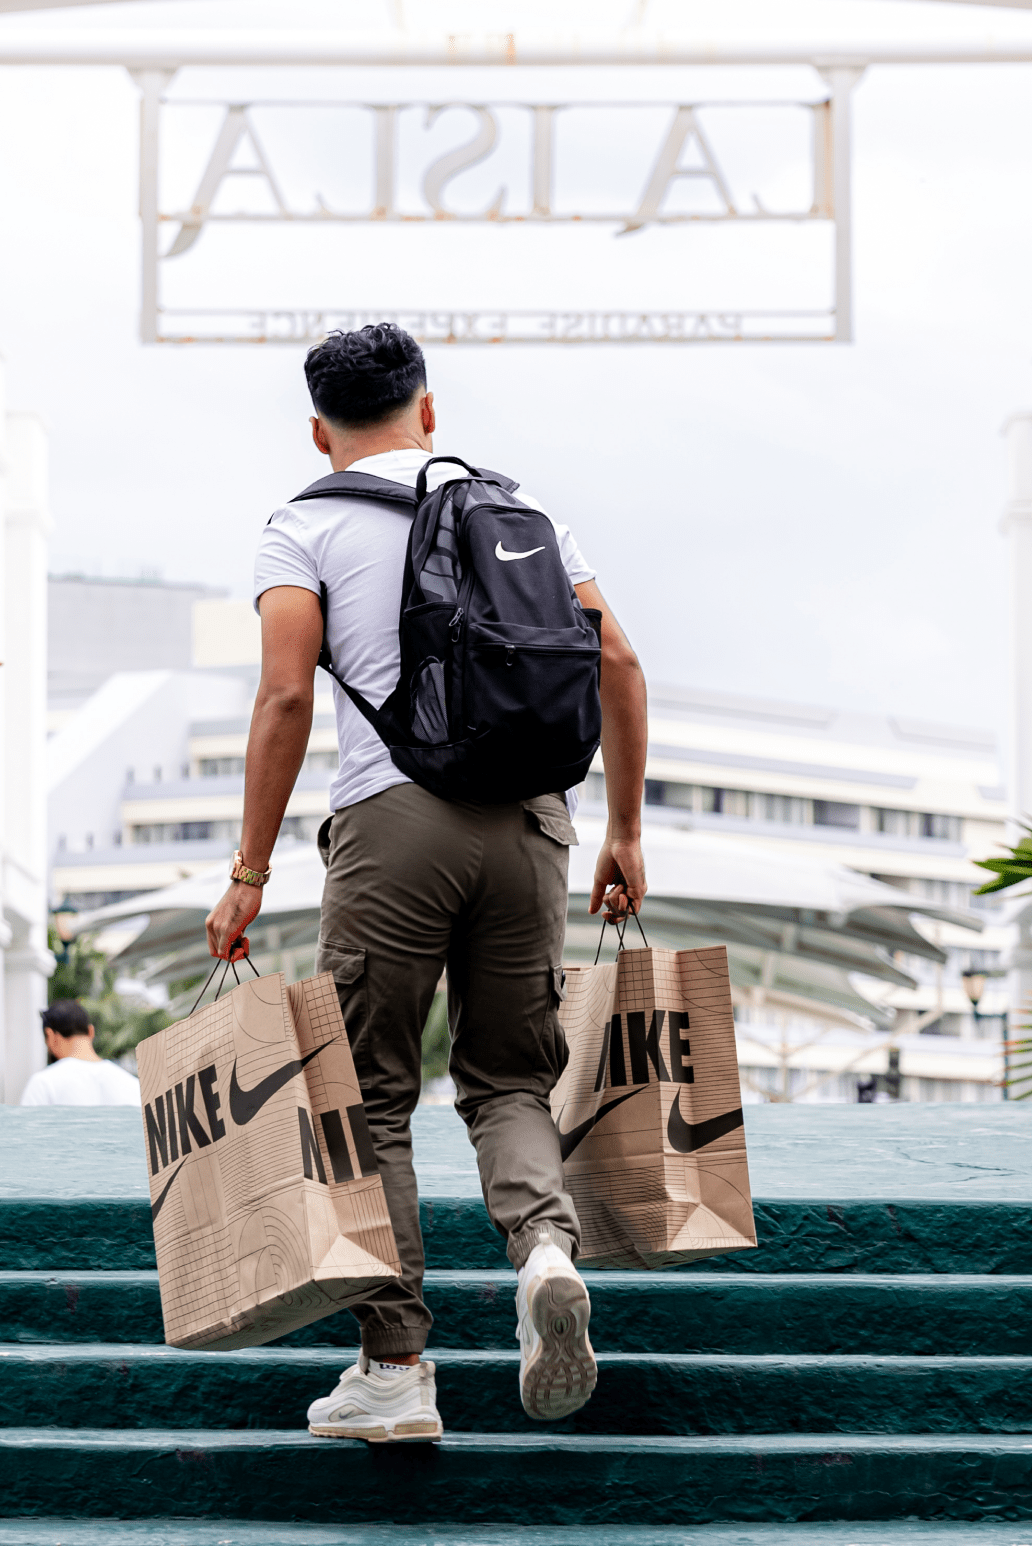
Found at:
(383, 1409)
(557, 1365)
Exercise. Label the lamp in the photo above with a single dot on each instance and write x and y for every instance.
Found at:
(974, 987)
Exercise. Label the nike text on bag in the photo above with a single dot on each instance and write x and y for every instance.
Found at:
(649, 1110)
(268, 1208)
(498, 697)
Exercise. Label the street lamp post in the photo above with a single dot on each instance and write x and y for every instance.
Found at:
(974, 987)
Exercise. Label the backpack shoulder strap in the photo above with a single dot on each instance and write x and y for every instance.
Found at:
(364, 485)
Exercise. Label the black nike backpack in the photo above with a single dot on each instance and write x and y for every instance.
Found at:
(498, 698)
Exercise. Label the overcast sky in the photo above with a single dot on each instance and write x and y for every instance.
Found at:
(806, 522)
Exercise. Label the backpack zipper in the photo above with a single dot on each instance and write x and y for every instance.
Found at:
(511, 650)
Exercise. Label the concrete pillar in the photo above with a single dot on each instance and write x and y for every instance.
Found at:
(27, 961)
(1017, 524)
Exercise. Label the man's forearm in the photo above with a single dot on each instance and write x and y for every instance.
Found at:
(624, 744)
(280, 727)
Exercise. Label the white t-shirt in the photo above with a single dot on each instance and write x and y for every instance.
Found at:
(76, 1082)
(358, 548)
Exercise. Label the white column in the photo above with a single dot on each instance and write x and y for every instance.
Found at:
(27, 961)
(1017, 524)
(843, 80)
(152, 84)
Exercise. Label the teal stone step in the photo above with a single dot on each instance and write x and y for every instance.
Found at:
(497, 1480)
(130, 1387)
(632, 1312)
(98, 1234)
(239, 1532)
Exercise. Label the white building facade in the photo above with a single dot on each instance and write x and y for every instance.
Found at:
(147, 788)
(26, 961)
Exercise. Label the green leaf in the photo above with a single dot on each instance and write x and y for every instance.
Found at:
(994, 885)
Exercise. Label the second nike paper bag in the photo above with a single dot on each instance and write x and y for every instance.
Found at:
(268, 1208)
(649, 1110)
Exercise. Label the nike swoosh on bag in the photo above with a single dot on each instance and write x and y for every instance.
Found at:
(156, 1206)
(569, 1141)
(686, 1137)
(507, 557)
(244, 1105)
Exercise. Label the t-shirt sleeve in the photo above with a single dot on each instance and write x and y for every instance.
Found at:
(574, 562)
(284, 557)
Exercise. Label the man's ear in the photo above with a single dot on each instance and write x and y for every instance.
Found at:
(319, 436)
(426, 412)
(90, 1032)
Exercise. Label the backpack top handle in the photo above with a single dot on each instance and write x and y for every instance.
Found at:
(474, 472)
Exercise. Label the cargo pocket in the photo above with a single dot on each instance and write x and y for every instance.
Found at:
(347, 968)
(559, 982)
(345, 964)
(551, 815)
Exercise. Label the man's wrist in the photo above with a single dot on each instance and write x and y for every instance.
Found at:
(247, 873)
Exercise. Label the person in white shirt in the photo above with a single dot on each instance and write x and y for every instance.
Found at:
(78, 1076)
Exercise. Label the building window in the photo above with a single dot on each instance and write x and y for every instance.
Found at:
(919, 824)
(221, 767)
(897, 823)
(948, 893)
(725, 802)
(782, 807)
(945, 828)
(664, 792)
(186, 832)
(833, 813)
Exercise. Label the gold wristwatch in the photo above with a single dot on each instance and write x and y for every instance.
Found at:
(241, 871)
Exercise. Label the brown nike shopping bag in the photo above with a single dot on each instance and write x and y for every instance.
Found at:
(268, 1207)
(649, 1110)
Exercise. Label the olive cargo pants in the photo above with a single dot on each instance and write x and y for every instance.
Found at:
(415, 883)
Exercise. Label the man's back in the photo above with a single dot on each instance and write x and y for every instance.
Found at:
(357, 548)
(74, 1081)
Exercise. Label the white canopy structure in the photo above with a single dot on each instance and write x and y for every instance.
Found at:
(797, 930)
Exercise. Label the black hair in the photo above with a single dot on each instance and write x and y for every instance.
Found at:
(365, 376)
(67, 1017)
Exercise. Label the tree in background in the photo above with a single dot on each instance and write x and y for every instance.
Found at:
(85, 973)
(1011, 870)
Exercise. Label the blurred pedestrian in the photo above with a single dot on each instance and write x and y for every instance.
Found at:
(78, 1076)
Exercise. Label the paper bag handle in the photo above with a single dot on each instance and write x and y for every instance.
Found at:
(621, 929)
(222, 979)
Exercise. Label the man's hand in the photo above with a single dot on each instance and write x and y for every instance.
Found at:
(230, 917)
(621, 868)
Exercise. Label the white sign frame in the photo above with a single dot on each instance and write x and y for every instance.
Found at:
(831, 203)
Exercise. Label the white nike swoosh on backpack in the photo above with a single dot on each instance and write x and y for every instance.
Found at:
(507, 557)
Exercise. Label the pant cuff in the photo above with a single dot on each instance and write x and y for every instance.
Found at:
(520, 1245)
(404, 1339)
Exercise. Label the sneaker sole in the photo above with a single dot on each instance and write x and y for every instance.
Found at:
(423, 1430)
(562, 1373)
